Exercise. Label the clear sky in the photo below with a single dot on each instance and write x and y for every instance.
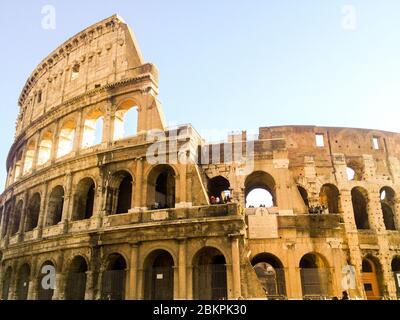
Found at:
(231, 65)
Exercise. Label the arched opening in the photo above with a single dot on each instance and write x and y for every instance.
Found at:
(304, 195)
(209, 275)
(32, 214)
(120, 193)
(113, 286)
(66, 139)
(387, 197)
(354, 170)
(93, 129)
(159, 276)
(329, 198)
(55, 206)
(260, 190)
(161, 187)
(18, 166)
(76, 279)
(5, 288)
(125, 123)
(45, 286)
(45, 148)
(359, 200)
(350, 173)
(75, 72)
(23, 279)
(17, 218)
(371, 278)
(315, 276)
(271, 274)
(84, 199)
(29, 156)
(219, 190)
(396, 273)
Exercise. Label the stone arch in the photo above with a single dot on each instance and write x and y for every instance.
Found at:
(209, 274)
(354, 169)
(66, 138)
(92, 131)
(159, 275)
(55, 206)
(23, 281)
(84, 198)
(359, 198)
(396, 273)
(329, 197)
(260, 180)
(119, 193)
(315, 276)
(45, 285)
(271, 274)
(6, 284)
(125, 119)
(161, 187)
(114, 277)
(76, 279)
(219, 187)
(17, 217)
(32, 216)
(29, 157)
(45, 147)
(372, 277)
(304, 195)
(388, 201)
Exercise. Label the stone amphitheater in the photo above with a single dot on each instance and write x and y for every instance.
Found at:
(162, 214)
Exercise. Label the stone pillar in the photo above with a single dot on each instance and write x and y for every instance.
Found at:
(36, 155)
(54, 143)
(67, 207)
(58, 290)
(293, 279)
(42, 212)
(133, 273)
(89, 290)
(78, 133)
(182, 269)
(21, 228)
(138, 201)
(235, 267)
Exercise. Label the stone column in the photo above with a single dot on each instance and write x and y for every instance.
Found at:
(67, 206)
(36, 155)
(58, 290)
(133, 273)
(138, 201)
(54, 143)
(182, 269)
(235, 267)
(293, 279)
(21, 228)
(89, 290)
(78, 133)
(42, 212)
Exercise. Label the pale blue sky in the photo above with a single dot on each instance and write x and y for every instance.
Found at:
(228, 64)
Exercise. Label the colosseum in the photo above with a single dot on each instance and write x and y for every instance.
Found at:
(162, 214)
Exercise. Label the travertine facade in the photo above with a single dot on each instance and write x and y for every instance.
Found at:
(88, 209)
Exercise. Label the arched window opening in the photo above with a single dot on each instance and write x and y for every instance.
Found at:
(270, 273)
(18, 166)
(260, 190)
(66, 139)
(6, 285)
(17, 218)
(45, 286)
(23, 280)
(124, 194)
(125, 123)
(315, 276)
(159, 276)
(219, 190)
(29, 157)
(55, 206)
(329, 198)
(354, 170)
(387, 197)
(76, 279)
(32, 215)
(209, 275)
(84, 199)
(360, 207)
(304, 195)
(161, 187)
(372, 279)
(92, 130)
(113, 287)
(45, 148)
